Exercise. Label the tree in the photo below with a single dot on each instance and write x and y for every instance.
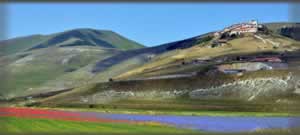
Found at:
(110, 80)
(183, 63)
(91, 106)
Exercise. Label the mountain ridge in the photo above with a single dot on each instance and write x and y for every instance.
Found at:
(74, 37)
(77, 62)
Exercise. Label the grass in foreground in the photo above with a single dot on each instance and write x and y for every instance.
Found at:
(13, 125)
(23, 126)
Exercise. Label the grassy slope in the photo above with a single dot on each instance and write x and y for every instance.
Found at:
(120, 42)
(46, 71)
(118, 69)
(148, 53)
(20, 44)
(123, 62)
(47, 64)
(14, 125)
(180, 104)
(89, 37)
(237, 46)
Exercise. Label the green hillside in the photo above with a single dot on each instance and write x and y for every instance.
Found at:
(42, 63)
(76, 37)
(171, 62)
(23, 72)
(15, 45)
(88, 37)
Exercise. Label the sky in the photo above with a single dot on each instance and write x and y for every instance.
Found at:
(147, 23)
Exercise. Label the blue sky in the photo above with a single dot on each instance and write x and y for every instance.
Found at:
(147, 23)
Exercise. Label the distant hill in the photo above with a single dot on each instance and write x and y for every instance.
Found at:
(150, 51)
(22, 72)
(14, 45)
(291, 30)
(31, 61)
(76, 37)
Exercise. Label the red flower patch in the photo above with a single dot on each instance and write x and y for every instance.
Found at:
(53, 114)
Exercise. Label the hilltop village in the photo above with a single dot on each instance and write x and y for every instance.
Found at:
(241, 64)
(236, 64)
(251, 28)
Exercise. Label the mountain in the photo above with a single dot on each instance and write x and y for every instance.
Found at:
(30, 63)
(186, 72)
(89, 37)
(149, 52)
(201, 47)
(172, 61)
(102, 70)
(76, 37)
(90, 64)
(25, 71)
(140, 69)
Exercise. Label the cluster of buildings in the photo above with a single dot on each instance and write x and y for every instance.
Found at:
(246, 64)
(241, 64)
(241, 28)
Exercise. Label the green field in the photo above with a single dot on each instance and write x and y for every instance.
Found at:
(180, 112)
(13, 125)
(24, 126)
